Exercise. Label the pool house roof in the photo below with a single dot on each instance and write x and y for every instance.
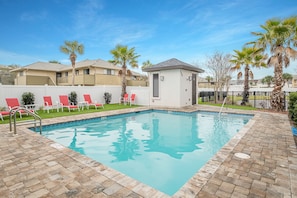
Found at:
(173, 63)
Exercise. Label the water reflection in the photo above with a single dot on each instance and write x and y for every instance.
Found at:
(73, 144)
(126, 146)
(173, 137)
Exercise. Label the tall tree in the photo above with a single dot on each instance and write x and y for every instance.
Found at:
(71, 48)
(219, 65)
(280, 36)
(287, 78)
(268, 80)
(124, 56)
(208, 78)
(246, 58)
(146, 64)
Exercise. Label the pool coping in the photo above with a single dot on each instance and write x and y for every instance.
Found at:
(190, 189)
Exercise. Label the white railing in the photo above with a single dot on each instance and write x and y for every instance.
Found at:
(223, 105)
(13, 122)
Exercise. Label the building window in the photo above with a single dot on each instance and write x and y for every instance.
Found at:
(21, 73)
(58, 74)
(155, 85)
(66, 74)
(86, 71)
(109, 72)
(77, 72)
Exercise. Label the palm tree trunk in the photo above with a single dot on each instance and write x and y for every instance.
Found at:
(73, 59)
(124, 80)
(277, 96)
(245, 94)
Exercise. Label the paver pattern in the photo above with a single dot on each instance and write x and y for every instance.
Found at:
(33, 166)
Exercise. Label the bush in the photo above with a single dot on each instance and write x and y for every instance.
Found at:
(107, 97)
(28, 98)
(292, 108)
(73, 97)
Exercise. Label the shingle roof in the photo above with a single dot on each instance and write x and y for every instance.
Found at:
(44, 66)
(55, 67)
(173, 64)
(102, 64)
(96, 63)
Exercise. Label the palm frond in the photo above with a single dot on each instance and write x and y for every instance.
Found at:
(286, 61)
(291, 21)
(239, 75)
(251, 43)
(291, 53)
(273, 60)
(129, 73)
(236, 67)
(278, 50)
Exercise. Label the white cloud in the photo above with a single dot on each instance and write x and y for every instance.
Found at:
(91, 25)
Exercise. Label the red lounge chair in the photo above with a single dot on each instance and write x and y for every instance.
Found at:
(48, 104)
(64, 102)
(3, 113)
(13, 103)
(132, 99)
(89, 102)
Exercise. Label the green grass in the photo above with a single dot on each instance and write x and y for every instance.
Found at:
(108, 107)
(55, 114)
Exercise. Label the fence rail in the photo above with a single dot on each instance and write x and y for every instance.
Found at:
(257, 99)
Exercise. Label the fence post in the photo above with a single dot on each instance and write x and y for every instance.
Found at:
(254, 99)
(284, 100)
(232, 97)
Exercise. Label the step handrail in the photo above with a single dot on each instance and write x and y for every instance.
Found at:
(222, 105)
(13, 112)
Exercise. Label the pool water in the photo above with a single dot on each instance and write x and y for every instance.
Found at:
(159, 148)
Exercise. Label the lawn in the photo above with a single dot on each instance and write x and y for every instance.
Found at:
(109, 107)
(55, 114)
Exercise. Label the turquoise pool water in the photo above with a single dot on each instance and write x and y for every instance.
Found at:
(159, 148)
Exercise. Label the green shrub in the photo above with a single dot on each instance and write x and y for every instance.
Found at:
(107, 97)
(73, 97)
(292, 108)
(28, 98)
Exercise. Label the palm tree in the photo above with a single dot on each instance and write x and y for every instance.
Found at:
(249, 56)
(71, 48)
(208, 78)
(146, 64)
(280, 36)
(124, 56)
(268, 80)
(287, 78)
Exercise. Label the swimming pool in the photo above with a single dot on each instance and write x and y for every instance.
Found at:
(159, 148)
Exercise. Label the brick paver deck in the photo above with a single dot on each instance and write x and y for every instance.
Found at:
(33, 166)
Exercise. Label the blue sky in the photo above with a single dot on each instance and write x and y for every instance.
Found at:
(189, 30)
